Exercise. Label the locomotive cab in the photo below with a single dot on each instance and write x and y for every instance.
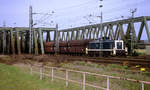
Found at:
(105, 47)
(119, 49)
(119, 44)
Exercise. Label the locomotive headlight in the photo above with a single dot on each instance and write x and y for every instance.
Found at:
(114, 51)
(86, 50)
(126, 49)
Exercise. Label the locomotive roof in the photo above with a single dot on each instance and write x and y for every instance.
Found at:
(99, 40)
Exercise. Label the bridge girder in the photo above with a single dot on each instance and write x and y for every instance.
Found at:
(16, 40)
(107, 29)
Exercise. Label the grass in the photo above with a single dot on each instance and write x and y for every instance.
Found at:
(13, 78)
(110, 69)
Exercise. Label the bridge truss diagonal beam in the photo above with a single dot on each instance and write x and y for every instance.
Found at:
(95, 31)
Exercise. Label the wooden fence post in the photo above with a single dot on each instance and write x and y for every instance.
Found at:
(83, 80)
(41, 73)
(52, 73)
(31, 69)
(142, 86)
(107, 82)
(66, 78)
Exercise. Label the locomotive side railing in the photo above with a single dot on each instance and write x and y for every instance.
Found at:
(83, 83)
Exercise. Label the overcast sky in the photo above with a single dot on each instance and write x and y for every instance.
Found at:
(68, 13)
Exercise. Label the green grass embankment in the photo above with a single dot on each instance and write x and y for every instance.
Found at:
(14, 78)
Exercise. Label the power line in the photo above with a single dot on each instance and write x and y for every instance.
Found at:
(118, 9)
(124, 6)
(43, 18)
(75, 6)
(106, 13)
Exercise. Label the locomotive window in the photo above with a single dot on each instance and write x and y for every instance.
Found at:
(91, 45)
(94, 45)
(97, 46)
(119, 45)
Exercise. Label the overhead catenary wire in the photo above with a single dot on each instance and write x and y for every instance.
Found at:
(79, 23)
(42, 19)
(83, 5)
(86, 8)
(94, 6)
(105, 14)
(74, 6)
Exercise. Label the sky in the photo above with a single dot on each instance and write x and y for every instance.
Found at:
(68, 13)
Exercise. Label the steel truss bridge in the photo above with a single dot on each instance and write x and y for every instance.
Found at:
(16, 40)
(115, 30)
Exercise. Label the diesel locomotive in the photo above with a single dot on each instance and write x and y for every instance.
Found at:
(105, 47)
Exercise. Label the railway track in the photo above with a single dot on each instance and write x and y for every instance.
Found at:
(143, 61)
(130, 61)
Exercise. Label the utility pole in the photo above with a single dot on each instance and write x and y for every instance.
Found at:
(30, 30)
(57, 40)
(101, 17)
(4, 37)
(133, 12)
(101, 22)
(131, 33)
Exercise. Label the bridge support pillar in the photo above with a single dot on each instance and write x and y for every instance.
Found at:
(12, 42)
(41, 41)
(18, 42)
(35, 43)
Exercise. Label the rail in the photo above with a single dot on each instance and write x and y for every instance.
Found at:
(83, 83)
